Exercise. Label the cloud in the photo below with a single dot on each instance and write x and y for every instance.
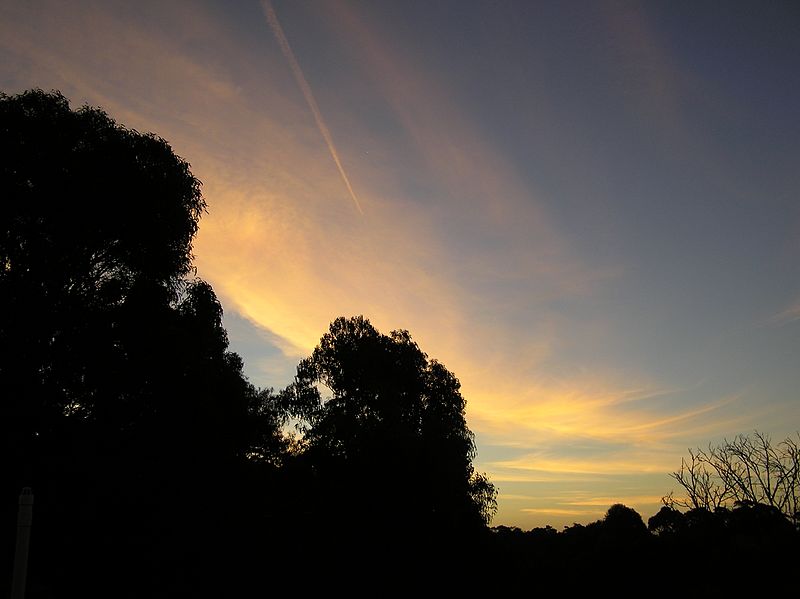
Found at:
(610, 500)
(591, 508)
(787, 316)
(599, 409)
(567, 465)
(103, 55)
(561, 511)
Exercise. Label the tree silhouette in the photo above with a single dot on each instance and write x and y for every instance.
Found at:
(94, 215)
(388, 441)
(668, 521)
(122, 406)
(747, 469)
(624, 522)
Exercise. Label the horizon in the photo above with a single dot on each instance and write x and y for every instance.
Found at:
(586, 211)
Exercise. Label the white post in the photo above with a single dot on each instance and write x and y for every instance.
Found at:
(24, 519)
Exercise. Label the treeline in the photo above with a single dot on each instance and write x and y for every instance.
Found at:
(158, 470)
(749, 548)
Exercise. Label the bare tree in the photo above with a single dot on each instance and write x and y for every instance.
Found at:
(747, 469)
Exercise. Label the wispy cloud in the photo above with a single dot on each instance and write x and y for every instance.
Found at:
(787, 316)
(568, 465)
(590, 508)
(552, 511)
(597, 408)
(608, 500)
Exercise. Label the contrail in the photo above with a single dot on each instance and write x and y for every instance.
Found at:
(275, 25)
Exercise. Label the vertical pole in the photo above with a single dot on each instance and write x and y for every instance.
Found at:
(24, 519)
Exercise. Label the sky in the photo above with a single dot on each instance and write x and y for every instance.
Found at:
(588, 211)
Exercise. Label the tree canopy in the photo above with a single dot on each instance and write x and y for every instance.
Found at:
(95, 207)
(379, 419)
(118, 387)
(97, 222)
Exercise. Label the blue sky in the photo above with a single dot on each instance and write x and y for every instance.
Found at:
(587, 210)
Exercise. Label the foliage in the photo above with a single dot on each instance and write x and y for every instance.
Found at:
(392, 427)
(122, 406)
(751, 548)
(624, 522)
(97, 221)
(91, 207)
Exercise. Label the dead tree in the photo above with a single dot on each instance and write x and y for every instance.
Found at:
(747, 469)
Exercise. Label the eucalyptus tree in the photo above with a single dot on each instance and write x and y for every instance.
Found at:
(120, 403)
(383, 429)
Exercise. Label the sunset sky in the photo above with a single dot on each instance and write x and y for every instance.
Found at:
(588, 211)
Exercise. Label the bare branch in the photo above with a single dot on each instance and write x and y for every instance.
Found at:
(745, 469)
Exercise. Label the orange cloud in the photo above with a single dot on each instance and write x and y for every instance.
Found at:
(561, 511)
